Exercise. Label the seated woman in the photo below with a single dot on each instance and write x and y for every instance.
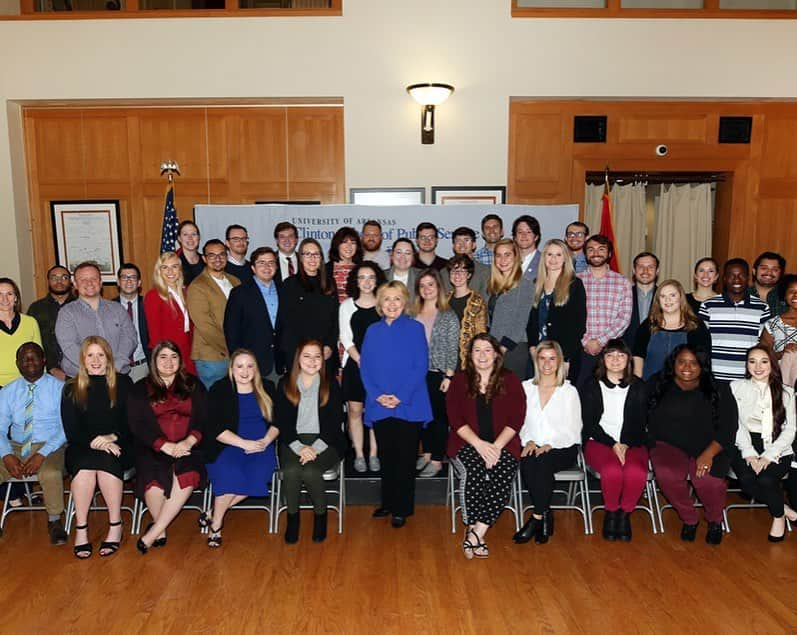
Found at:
(308, 410)
(550, 436)
(486, 408)
(692, 424)
(238, 442)
(613, 409)
(167, 415)
(763, 449)
(94, 414)
(670, 322)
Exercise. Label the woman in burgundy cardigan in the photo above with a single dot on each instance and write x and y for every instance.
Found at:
(167, 415)
(486, 408)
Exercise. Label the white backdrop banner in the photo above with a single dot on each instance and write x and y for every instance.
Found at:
(322, 221)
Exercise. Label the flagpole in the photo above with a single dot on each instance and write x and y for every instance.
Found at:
(170, 222)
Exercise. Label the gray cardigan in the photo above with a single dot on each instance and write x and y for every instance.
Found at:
(444, 344)
(511, 314)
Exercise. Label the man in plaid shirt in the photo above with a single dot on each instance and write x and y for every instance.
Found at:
(492, 231)
(609, 303)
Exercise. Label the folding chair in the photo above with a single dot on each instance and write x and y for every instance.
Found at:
(30, 507)
(338, 492)
(456, 492)
(249, 506)
(127, 476)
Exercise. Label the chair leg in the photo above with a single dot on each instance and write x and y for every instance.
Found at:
(70, 511)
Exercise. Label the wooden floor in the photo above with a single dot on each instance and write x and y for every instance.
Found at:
(375, 579)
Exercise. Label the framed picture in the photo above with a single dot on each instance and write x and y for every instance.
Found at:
(88, 230)
(387, 195)
(468, 195)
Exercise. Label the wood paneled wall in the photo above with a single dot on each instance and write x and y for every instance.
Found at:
(226, 155)
(756, 204)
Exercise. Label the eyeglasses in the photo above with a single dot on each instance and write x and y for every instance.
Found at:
(311, 254)
(132, 278)
(575, 235)
(458, 272)
(220, 256)
(62, 277)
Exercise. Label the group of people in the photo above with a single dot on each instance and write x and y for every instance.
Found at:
(511, 356)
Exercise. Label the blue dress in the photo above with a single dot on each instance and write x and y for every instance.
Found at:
(235, 472)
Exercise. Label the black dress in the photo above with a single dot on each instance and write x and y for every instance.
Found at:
(361, 319)
(82, 425)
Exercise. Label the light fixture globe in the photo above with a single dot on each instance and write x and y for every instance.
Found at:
(430, 94)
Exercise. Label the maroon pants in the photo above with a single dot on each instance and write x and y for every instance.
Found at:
(672, 466)
(621, 485)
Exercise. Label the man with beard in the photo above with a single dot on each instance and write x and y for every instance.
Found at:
(526, 234)
(372, 242)
(609, 303)
(492, 232)
(426, 239)
(646, 272)
(575, 236)
(45, 311)
(237, 242)
(734, 320)
(768, 269)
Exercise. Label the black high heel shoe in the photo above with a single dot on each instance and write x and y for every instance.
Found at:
(84, 551)
(110, 547)
(141, 546)
(158, 542)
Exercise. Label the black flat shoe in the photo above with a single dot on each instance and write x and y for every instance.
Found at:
(714, 534)
(688, 533)
(381, 512)
(141, 546)
(398, 521)
(108, 548)
(527, 532)
(84, 551)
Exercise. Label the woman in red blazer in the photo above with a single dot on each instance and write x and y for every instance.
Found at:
(165, 308)
(486, 409)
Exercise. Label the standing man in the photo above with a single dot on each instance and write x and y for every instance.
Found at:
(32, 439)
(526, 234)
(252, 314)
(286, 237)
(128, 281)
(609, 303)
(237, 241)
(190, 258)
(372, 243)
(90, 314)
(734, 320)
(207, 299)
(575, 235)
(463, 241)
(426, 239)
(45, 312)
(768, 269)
(646, 273)
(492, 232)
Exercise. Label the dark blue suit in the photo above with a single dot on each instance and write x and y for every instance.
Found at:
(143, 331)
(247, 324)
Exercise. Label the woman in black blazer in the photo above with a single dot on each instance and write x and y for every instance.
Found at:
(308, 410)
(613, 410)
(309, 307)
(239, 440)
(559, 307)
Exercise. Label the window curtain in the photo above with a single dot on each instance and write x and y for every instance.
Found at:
(628, 210)
(683, 229)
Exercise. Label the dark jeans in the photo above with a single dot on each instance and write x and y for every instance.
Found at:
(538, 474)
(435, 435)
(311, 474)
(398, 449)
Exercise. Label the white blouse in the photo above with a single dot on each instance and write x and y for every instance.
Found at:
(754, 402)
(558, 424)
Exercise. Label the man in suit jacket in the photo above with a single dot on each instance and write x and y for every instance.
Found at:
(286, 236)
(526, 234)
(207, 299)
(252, 314)
(463, 241)
(128, 281)
(646, 272)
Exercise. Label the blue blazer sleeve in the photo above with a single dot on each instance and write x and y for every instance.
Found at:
(415, 378)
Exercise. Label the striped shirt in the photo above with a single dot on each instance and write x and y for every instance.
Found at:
(609, 305)
(734, 327)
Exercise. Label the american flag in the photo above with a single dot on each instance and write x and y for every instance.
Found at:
(170, 223)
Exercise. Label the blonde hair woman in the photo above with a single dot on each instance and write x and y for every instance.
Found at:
(239, 442)
(509, 303)
(166, 310)
(559, 307)
(94, 414)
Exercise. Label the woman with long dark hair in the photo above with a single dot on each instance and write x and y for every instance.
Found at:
(309, 306)
(613, 409)
(692, 423)
(308, 410)
(763, 449)
(167, 415)
(345, 253)
(486, 408)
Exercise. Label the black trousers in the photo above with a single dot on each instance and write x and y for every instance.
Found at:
(435, 435)
(485, 492)
(538, 473)
(763, 487)
(398, 449)
(586, 367)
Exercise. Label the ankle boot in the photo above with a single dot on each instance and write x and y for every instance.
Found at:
(624, 526)
(320, 527)
(609, 531)
(528, 531)
(543, 532)
(292, 529)
(549, 522)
